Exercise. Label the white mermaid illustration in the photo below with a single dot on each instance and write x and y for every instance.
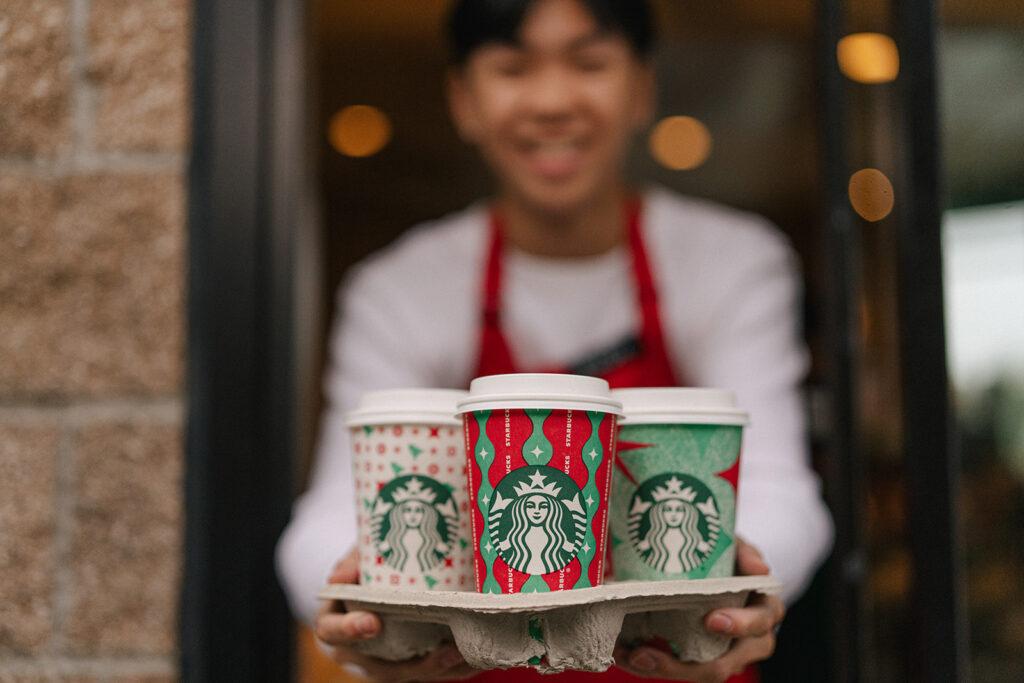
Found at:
(672, 542)
(413, 533)
(531, 529)
(414, 525)
(536, 539)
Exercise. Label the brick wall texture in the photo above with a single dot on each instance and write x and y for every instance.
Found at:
(94, 110)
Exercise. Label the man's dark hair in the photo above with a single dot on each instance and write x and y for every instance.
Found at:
(472, 23)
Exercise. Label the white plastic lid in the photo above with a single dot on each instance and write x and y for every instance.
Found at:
(670, 405)
(406, 406)
(538, 390)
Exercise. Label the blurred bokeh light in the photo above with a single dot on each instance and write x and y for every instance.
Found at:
(681, 143)
(359, 130)
(869, 58)
(871, 194)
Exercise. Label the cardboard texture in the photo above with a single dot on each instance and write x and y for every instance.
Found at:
(554, 631)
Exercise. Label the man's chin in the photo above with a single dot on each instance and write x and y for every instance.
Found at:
(559, 201)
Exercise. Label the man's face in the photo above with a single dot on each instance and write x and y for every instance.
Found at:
(553, 115)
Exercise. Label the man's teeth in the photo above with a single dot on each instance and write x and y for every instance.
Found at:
(555, 148)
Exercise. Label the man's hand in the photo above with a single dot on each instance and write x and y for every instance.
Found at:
(752, 626)
(339, 629)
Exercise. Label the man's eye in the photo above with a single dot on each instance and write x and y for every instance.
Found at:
(510, 69)
(591, 63)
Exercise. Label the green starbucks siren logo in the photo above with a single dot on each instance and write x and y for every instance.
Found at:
(536, 519)
(674, 522)
(414, 523)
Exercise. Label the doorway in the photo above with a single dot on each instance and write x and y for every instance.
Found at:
(277, 214)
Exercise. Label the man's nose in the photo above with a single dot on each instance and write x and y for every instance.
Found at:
(551, 92)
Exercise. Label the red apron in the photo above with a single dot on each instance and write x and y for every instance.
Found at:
(638, 362)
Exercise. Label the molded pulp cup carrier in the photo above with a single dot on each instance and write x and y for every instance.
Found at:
(538, 452)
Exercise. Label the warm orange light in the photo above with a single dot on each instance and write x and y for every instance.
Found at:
(868, 57)
(359, 130)
(871, 194)
(681, 143)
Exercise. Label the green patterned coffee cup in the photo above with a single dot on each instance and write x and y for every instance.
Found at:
(673, 502)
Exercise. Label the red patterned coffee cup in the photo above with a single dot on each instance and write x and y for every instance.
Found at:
(540, 450)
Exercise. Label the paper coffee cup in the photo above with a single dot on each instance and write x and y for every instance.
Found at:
(410, 479)
(540, 450)
(674, 490)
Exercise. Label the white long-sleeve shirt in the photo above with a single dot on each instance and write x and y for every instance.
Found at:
(729, 295)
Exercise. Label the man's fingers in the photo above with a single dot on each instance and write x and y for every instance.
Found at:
(643, 661)
(340, 629)
(749, 561)
(761, 616)
(437, 665)
(647, 662)
(650, 663)
(346, 570)
(745, 652)
(443, 664)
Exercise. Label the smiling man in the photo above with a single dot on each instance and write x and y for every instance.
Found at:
(553, 108)
(570, 269)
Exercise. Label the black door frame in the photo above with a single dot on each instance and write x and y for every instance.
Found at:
(937, 613)
(249, 186)
(248, 190)
(841, 252)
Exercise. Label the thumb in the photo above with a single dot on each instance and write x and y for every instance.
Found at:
(749, 561)
(346, 570)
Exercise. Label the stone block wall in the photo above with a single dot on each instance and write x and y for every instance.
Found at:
(94, 111)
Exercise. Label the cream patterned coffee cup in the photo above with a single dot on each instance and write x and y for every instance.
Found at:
(410, 479)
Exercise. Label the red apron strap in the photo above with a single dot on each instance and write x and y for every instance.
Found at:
(492, 274)
(641, 269)
(651, 368)
(495, 357)
(657, 367)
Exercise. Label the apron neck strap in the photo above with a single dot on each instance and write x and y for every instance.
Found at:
(496, 355)
(492, 274)
(646, 292)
